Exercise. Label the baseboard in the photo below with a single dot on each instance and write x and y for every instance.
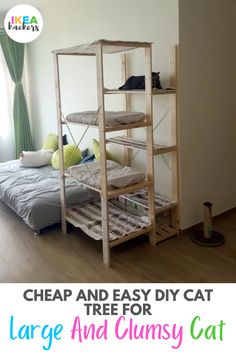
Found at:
(200, 224)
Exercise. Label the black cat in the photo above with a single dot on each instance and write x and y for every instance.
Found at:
(138, 82)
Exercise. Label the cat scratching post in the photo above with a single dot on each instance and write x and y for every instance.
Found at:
(207, 236)
(207, 220)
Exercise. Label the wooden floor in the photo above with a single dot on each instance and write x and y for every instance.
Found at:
(77, 258)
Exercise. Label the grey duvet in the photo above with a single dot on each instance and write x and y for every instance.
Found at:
(34, 193)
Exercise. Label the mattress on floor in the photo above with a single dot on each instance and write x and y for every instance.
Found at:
(118, 176)
(34, 193)
(112, 118)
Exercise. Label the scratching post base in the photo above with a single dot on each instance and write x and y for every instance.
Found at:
(217, 239)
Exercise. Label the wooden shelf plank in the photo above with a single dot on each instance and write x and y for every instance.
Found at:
(164, 91)
(139, 198)
(114, 127)
(108, 47)
(123, 226)
(141, 145)
(134, 187)
(126, 126)
(154, 92)
(159, 150)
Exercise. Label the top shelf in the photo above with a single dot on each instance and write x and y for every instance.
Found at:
(108, 47)
(154, 91)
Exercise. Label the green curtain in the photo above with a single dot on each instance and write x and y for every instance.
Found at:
(14, 56)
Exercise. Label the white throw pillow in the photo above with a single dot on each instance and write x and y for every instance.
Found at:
(36, 158)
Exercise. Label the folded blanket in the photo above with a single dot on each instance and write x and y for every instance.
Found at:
(112, 118)
(36, 158)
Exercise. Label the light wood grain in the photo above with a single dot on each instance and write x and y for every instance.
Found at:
(103, 162)
(154, 92)
(108, 47)
(175, 137)
(60, 143)
(141, 145)
(126, 104)
(149, 137)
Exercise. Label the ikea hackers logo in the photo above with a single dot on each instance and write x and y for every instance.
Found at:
(23, 23)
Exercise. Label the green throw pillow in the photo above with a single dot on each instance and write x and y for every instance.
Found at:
(50, 143)
(72, 156)
(96, 151)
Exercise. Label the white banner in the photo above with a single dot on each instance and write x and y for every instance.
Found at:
(117, 318)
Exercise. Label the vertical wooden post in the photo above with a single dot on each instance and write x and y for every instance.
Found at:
(149, 138)
(103, 162)
(124, 77)
(126, 105)
(174, 136)
(60, 143)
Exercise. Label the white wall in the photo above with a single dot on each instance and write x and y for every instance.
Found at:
(207, 106)
(72, 22)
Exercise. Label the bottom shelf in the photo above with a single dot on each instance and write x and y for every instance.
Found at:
(123, 225)
(164, 232)
(165, 212)
(139, 200)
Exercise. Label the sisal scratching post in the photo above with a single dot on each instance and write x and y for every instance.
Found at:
(207, 220)
(207, 236)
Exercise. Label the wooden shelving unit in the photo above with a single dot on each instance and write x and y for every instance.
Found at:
(98, 49)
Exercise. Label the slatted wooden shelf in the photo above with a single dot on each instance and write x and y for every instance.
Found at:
(118, 191)
(154, 92)
(123, 225)
(140, 198)
(141, 145)
(139, 201)
(109, 47)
